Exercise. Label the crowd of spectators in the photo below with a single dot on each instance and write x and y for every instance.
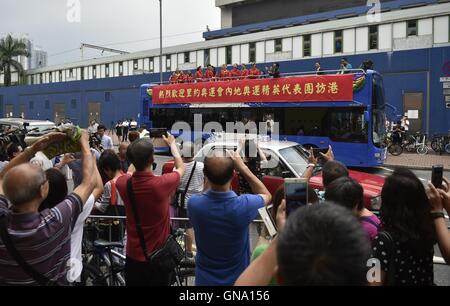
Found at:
(330, 241)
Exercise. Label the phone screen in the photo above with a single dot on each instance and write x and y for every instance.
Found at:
(296, 194)
(157, 133)
(436, 175)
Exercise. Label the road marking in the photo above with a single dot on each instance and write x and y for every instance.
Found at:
(387, 169)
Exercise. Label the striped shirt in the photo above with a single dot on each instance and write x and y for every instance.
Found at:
(197, 182)
(43, 240)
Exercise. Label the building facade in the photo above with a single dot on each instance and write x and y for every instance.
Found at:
(409, 45)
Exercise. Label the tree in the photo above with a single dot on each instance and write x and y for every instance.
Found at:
(10, 48)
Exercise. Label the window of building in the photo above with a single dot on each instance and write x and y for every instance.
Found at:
(107, 70)
(373, 37)
(411, 28)
(307, 45)
(278, 45)
(41, 78)
(94, 72)
(47, 104)
(50, 77)
(31, 105)
(82, 73)
(60, 78)
(206, 60)
(135, 64)
(107, 96)
(73, 103)
(186, 57)
(151, 64)
(120, 68)
(338, 41)
(168, 62)
(252, 52)
(71, 73)
(228, 55)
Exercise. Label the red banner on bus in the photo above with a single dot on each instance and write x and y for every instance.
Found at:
(322, 88)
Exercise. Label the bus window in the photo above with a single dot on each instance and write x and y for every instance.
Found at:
(348, 126)
(305, 121)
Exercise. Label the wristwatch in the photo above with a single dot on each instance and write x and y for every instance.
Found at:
(437, 214)
(311, 165)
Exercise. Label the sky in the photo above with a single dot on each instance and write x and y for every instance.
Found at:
(128, 25)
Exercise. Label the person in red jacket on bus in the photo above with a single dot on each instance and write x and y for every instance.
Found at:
(224, 74)
(254, 72)
(199, 74)
(235, 72)
(188, 77)
(180, 77)
(244, 72)
(209, 74)
(174, 78)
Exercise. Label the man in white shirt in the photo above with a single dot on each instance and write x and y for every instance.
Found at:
(107, 143)
(133, 125)
(92, 129)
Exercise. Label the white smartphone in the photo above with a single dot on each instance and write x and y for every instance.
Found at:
(266, 216)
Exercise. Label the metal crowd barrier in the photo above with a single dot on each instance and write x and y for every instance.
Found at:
(436, 259)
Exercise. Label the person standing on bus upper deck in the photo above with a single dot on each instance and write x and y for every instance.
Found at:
(254, 72)
(274, 70)
(345, 65)
(173, 78)
(244, 72)
(224, 74)
(209, 74)
(235, 72)
(199, 74)
(189, 77)
(318, 69)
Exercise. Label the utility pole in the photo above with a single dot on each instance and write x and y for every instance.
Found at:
(160, 43)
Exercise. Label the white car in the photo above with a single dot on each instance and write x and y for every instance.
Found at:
(37, 128)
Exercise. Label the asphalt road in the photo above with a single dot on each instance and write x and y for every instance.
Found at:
(441, 272)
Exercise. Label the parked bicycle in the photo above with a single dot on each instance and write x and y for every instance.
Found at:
(441, 143)
(418, 143)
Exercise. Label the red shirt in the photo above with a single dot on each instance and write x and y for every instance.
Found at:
(255, 72)
(225, 74)
(209, 74)
(244, 73)
(173, 79)
(152, 195)
(199, 75)
(235, 73)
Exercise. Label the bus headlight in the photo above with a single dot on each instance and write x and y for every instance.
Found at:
(377, 154)
(375, 203)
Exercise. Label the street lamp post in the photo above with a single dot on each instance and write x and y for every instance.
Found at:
(160, 43)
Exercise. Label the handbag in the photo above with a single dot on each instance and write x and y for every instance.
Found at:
(39, 278)
(180, 196)
(166, 258)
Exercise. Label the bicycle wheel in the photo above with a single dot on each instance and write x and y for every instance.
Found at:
(395, 149)
(435, 145)
(422, 150)
(447, 148)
